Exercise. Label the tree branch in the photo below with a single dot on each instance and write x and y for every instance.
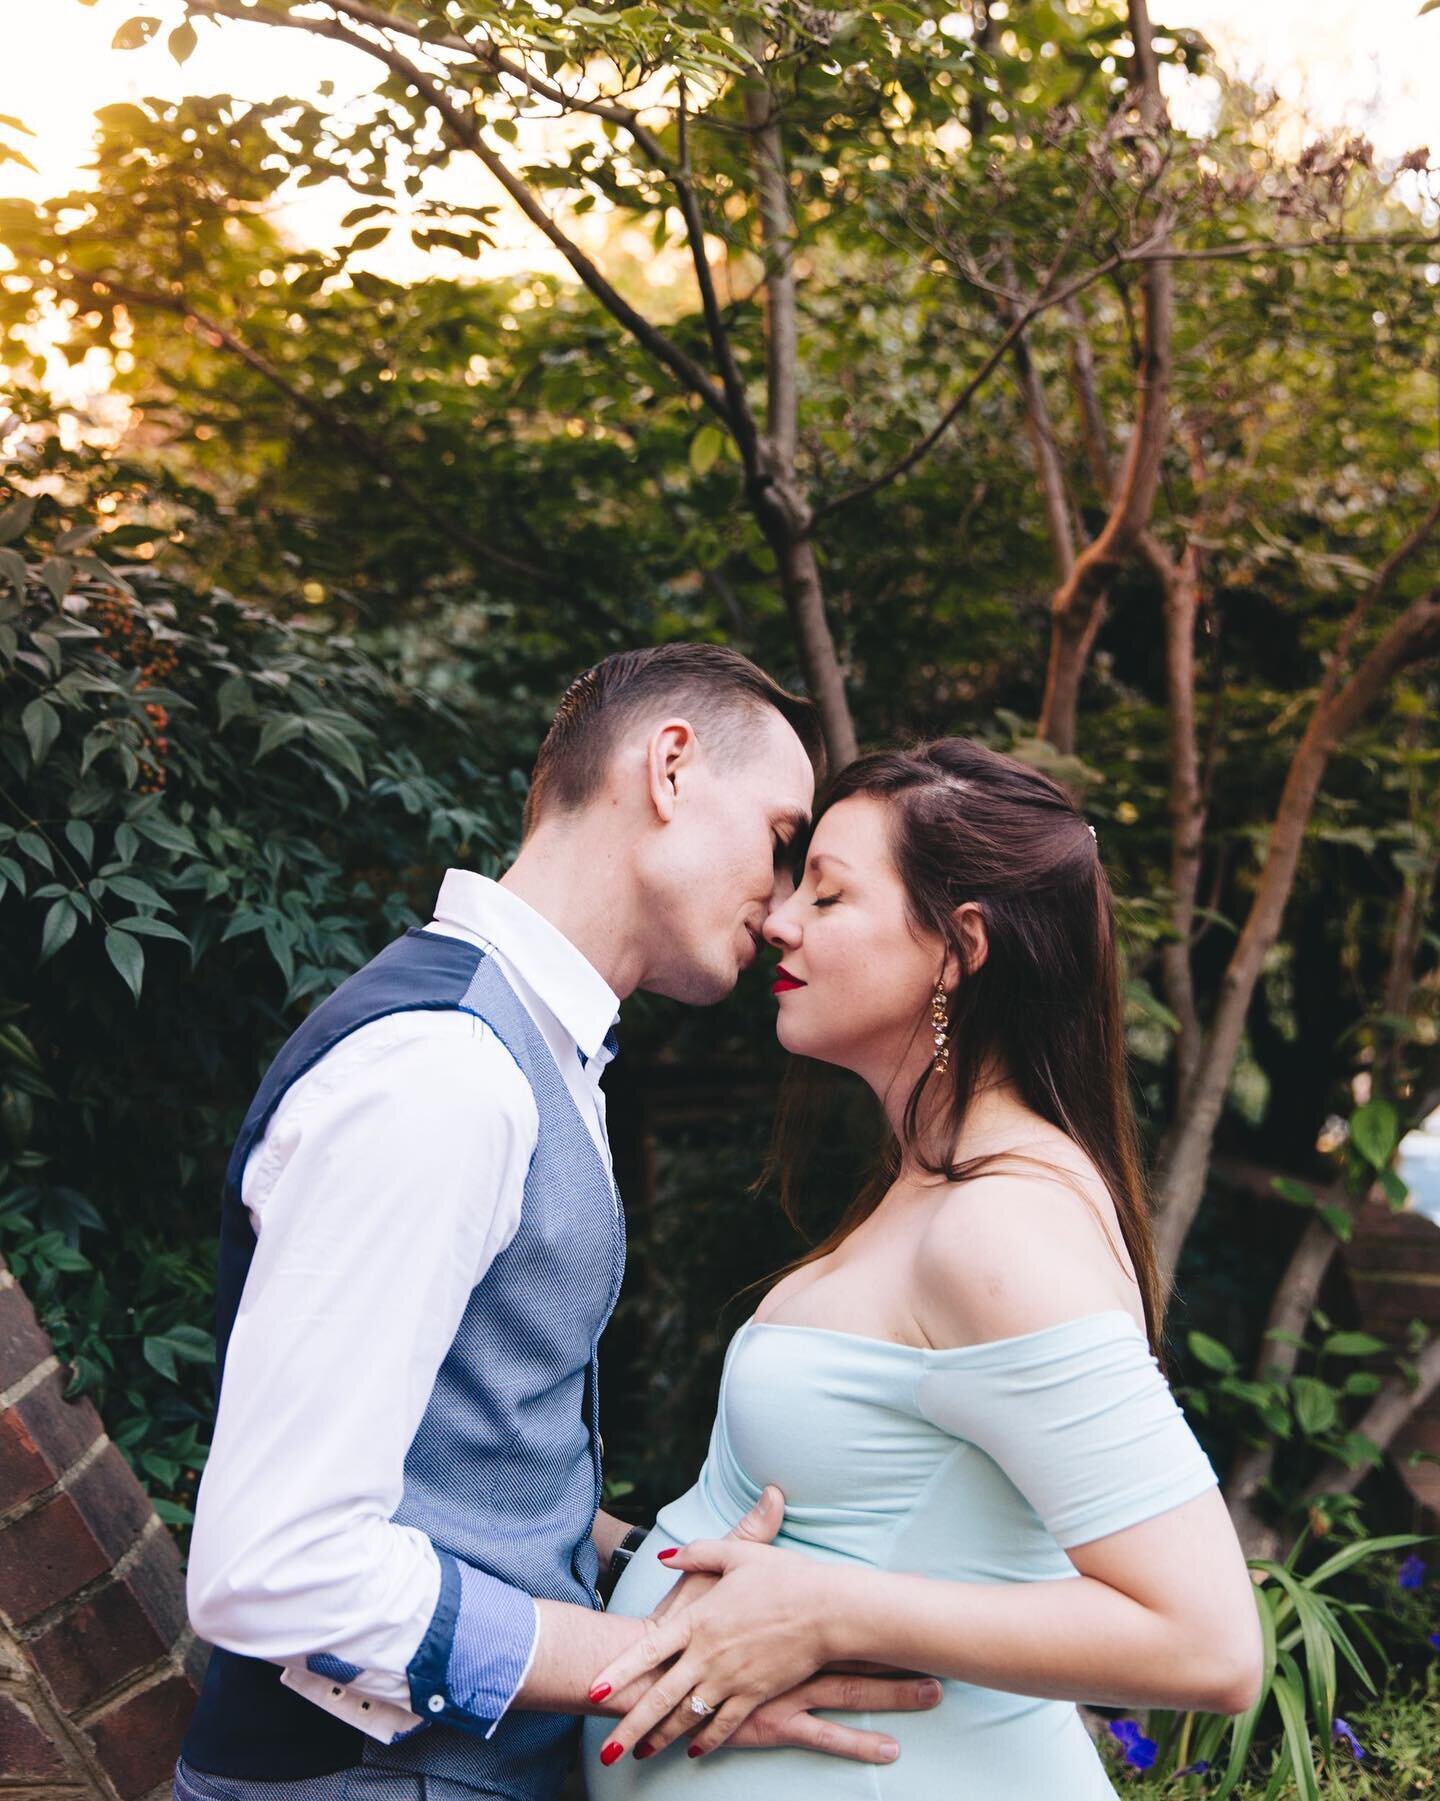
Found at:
(366, 447)
(467, 132)
(1395, 1403)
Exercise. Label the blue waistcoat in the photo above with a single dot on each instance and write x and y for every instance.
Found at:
(504, 1469)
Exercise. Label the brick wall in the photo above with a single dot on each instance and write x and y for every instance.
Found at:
(98, 1667)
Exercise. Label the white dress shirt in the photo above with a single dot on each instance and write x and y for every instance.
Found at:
(390, 1177)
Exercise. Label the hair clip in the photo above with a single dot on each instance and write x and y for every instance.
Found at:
(1090, 828)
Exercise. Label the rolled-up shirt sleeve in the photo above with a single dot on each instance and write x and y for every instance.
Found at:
(389, 1179)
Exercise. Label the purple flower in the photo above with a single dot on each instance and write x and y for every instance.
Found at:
(1434, 1639)
(1341, 1730)
(1139, 1750)
(1411, 1573)
(1194, 1769)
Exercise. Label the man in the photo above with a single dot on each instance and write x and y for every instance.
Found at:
(398, 1544)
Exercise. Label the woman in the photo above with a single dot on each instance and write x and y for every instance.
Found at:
(985, 1474)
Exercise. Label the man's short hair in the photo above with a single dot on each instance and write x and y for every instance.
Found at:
(717, 689)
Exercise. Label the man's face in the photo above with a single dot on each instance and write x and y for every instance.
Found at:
(722, 862)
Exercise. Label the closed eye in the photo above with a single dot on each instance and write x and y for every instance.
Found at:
(829, 901)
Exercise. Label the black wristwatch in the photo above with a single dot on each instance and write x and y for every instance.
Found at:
(619, 1557)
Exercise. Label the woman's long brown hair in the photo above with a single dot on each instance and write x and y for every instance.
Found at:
(1045, 1006)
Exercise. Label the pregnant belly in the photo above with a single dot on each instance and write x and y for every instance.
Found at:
(977, 1745)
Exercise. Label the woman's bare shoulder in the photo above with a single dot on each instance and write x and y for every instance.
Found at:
(1020, 1248)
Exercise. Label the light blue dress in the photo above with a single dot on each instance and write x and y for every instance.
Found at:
(981, 1464)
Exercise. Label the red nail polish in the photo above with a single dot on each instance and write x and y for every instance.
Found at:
(642, 1750)
(610, 1752)
(695, 1751)
(665, 1556)
(600, 1690)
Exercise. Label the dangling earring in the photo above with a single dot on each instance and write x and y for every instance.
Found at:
(940, 1024)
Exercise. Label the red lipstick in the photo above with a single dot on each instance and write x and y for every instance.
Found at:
(784, 981)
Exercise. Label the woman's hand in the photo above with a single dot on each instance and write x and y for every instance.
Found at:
(758, 1633)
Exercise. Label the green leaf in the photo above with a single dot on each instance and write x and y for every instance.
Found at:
(135, 32)
(138, 893)
(57, 574)
(234, 698)
(15, 518)
(35, 847)
(1315, 1405)
(705, 448)
(58, 930)
(1289, 1698)
(1352, 1344)
(41, 725)
(127, 956)
(182, 42)
(160, 1356)
(1138, 995)
(1210, 1352)
(165, 833)
(276, 732)
(15, 571)
(1352, 1554)
(82, 838)
(1340, 1222)
(369, 238)
(1290, 1190)
(152, 928)
(1375, 1131)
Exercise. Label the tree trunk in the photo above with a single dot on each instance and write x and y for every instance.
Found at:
(1186, 1156)
(805, 603)
(776, 491)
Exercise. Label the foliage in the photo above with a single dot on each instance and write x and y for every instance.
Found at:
(210, 817)
(488, 483)
(1310, 1635)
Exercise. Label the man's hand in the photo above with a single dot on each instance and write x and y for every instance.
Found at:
(790, 1719)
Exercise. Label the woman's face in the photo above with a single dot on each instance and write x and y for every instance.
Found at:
(860, 976)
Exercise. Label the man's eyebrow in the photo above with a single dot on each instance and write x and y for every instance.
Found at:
(796, 818)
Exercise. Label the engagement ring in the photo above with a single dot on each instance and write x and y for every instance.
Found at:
(700, 1707)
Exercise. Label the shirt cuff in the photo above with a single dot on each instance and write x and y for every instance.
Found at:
(476, 1651)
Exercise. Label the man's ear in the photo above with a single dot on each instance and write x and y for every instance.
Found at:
(670, 751)
(970, 924)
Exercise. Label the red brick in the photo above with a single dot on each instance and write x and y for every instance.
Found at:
(25, 1750)
(103, 1643)
(117, 1631)
(112, 1500)
(45, 1556)
(63, 1428)
(24, 1468)
(138, 1739)
(41, 1435)
(22, 1343)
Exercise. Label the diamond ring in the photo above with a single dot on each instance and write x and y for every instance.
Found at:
(701, 1707)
